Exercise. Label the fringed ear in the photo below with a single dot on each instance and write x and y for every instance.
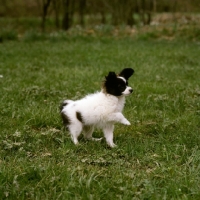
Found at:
(126, 73)
(111, 75)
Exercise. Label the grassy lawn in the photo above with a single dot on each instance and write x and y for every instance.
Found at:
(157, 157)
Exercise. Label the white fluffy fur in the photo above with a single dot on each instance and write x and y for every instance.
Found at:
(99, 110)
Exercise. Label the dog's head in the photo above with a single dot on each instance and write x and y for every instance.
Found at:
(117, 85)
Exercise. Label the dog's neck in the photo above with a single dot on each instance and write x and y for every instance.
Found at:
(121, 100)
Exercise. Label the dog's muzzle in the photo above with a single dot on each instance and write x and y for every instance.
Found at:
(131, 90)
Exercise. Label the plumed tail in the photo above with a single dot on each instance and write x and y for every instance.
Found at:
(64, 103)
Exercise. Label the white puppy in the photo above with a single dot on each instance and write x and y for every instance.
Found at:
(98, 110)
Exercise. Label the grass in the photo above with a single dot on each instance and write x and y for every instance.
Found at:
(157, 157)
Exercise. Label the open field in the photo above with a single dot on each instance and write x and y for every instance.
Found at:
(157, 157)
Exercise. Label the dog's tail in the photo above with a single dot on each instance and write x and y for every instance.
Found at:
(64, 103)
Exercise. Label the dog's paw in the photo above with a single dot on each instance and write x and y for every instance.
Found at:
(126, 122)
(74, 140)
(112, 145)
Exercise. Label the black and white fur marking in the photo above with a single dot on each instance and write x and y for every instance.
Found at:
(99, 110)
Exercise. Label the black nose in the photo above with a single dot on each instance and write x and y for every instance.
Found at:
(130, 90)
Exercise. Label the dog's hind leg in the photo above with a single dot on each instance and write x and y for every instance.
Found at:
(75, 131)
(88, 131)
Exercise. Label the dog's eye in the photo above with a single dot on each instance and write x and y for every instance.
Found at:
(121, 87)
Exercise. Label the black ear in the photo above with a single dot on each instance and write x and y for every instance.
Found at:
(126, 73)
(111, 75)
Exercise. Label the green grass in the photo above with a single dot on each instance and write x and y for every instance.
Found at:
(157, 157)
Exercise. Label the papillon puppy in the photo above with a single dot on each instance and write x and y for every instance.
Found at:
(99, 110)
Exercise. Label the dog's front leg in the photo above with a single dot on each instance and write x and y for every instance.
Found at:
(108, 133)
(118, 117)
